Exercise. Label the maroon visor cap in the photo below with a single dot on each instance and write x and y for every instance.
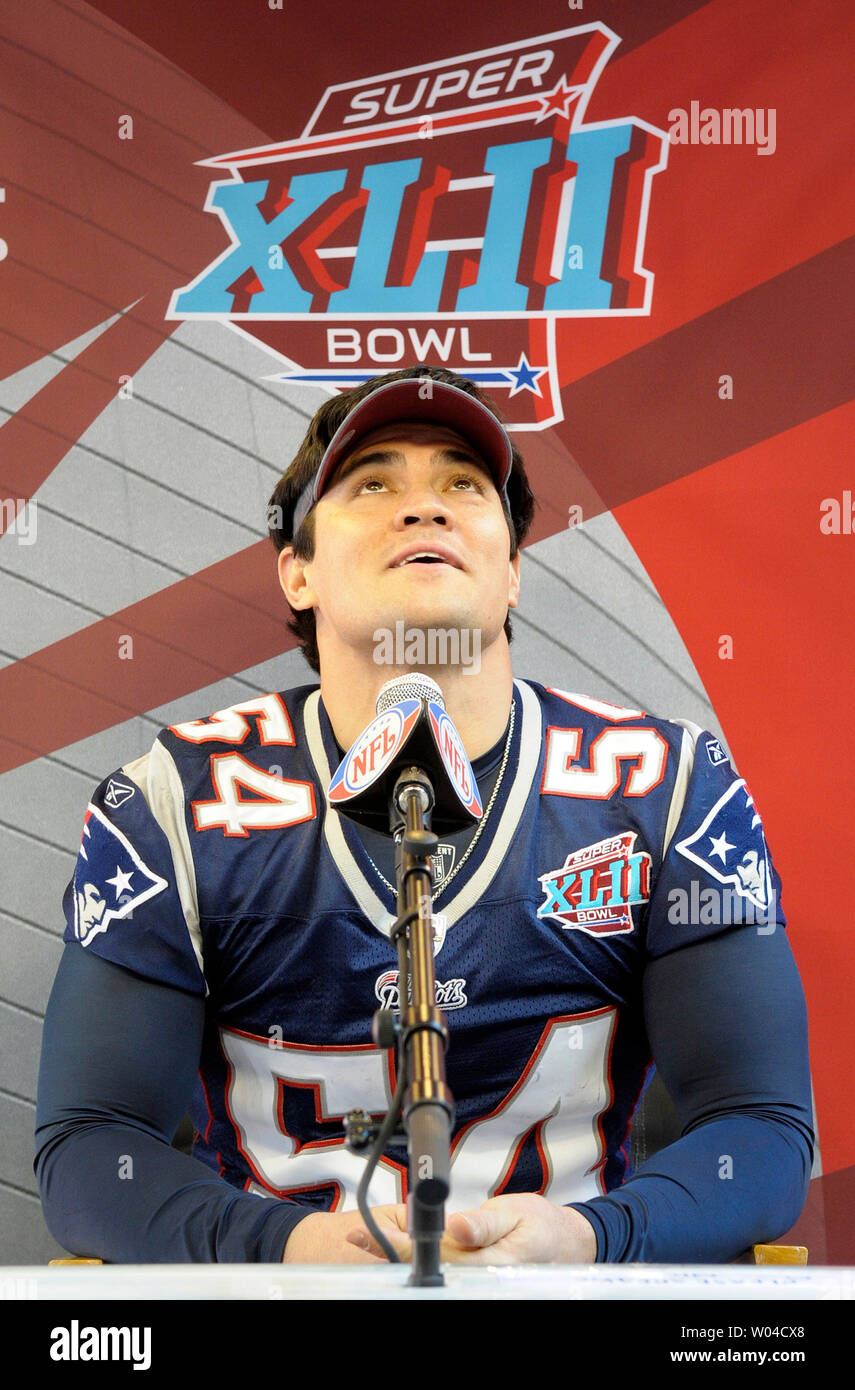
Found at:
(413, 398)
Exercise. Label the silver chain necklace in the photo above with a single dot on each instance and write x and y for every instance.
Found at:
(483, 821)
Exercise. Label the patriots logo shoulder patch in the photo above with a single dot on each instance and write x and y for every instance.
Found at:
(730, 846)
(110, 878)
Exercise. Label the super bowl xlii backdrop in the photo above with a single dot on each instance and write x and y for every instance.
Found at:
(628, 219)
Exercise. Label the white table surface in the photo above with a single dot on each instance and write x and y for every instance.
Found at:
(313, 1282)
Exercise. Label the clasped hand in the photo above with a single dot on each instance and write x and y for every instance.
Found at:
(517, 1228)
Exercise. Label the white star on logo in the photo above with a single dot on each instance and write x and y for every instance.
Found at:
(121, 883)
(720, 847)
(559, 101)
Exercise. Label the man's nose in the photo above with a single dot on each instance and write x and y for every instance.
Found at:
(422, 503)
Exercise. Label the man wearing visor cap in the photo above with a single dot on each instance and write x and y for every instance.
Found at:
(260, 945)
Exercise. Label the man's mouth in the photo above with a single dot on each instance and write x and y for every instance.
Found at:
(426, 555)
(426, 558)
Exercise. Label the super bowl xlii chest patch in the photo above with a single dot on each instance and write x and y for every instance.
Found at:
(596, 887)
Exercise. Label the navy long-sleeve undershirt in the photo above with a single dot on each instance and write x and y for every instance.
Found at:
(727, 1024)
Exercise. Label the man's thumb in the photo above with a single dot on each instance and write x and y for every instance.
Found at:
(476, 1229)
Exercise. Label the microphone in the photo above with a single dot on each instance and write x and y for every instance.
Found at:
(411, 730)
(416, 686)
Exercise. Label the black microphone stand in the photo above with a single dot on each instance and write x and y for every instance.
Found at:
(411, 731)
(428, 1106)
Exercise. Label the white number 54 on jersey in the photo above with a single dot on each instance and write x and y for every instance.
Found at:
(562, 1092)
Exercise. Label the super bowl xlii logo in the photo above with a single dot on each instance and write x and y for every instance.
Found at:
(447, 213)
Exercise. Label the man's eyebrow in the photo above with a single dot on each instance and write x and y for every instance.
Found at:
(374, 456)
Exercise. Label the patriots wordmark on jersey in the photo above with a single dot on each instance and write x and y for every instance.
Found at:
(215, 864)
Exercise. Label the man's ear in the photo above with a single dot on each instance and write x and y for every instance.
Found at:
(294, 579)
(514, 581)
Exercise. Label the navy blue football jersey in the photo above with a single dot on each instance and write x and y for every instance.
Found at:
(215, 864)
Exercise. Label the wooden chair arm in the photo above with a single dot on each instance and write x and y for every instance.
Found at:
(775, 1255)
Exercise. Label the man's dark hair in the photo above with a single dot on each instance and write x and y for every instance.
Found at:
(306, 462)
